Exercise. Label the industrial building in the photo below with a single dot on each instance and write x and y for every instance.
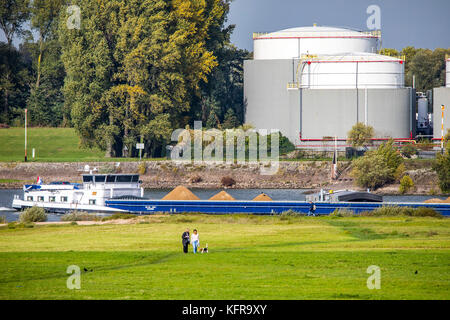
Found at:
(315, 83)
(441, 97)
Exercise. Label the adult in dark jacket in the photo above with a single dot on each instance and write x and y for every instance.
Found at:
(185, 240)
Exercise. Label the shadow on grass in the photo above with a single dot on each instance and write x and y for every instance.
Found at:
(360, 233)
(88, 269)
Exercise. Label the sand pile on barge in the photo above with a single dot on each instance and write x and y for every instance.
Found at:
(262, 197)
(180, 193)
(222, 196)
(436, 200)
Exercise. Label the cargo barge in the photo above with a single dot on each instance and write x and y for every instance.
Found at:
(112, 193)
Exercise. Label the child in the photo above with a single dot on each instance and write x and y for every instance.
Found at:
(195, 240)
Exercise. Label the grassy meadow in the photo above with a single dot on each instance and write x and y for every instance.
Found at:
(50, 144)
(251, 257)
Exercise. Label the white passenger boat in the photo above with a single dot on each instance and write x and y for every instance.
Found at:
(90, 196)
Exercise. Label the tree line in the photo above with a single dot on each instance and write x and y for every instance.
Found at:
(425, 65)
(132, 72)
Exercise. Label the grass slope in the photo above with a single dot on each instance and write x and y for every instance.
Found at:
(51, 144)
(251, 257)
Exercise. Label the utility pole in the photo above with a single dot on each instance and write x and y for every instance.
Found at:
(442, 129)
(26, 111)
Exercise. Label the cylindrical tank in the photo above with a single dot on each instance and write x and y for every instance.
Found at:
(295, 42)
(422, 112)
(447, 74)
(351, 70)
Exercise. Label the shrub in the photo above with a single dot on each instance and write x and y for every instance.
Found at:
(360, 135)
(195, 179)
(117, 216)
(142, 168)
(291, 212)
(406, 184)
(426, 212)
(80, 216)
(342, 213)
(402, 211)
(408, 151)
(442, 168)
(227, 181)
(379, 167)
(34, 214)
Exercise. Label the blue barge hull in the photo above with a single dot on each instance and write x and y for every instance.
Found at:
(256, 207)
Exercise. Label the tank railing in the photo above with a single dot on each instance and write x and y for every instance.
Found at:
(309, 82)
(318, 33)
(297, 85)
(314, 58)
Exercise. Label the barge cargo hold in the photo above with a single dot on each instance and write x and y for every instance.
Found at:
(256, 207)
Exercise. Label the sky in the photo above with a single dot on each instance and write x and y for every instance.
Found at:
(418, 23)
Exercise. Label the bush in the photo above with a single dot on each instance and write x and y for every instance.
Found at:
(80, 216)
(117, 216)
(291, 213)
(426, 212)
(195, 179)
(379, 167)
(403, 211)
(408, 151)
(227, 181)
(360, 135)
(342, 213)
(442, 168)
(34, 214)
(142, 168)
(406, 184)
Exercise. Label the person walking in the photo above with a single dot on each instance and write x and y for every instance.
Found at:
(195, 240)
(312, 209)
(185, 240)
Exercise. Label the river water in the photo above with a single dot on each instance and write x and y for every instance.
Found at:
(7, 195)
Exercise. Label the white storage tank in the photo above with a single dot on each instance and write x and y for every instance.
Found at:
(351, 70)
(422, 112)
(295, 42)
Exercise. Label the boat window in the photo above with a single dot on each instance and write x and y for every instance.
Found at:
(87, 178)
(124, 178)
(91, 201)
(135, 178)
(41, 199)
(51, 199)
(100, 178)
(63, 199)
(110, 178)
(29, 198)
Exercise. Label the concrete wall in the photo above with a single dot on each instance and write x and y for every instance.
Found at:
(441, 96)
(319, 113)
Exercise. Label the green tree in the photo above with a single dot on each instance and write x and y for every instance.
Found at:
(406, 184)
(379, 167)
(442, 168)
(13, 14)
(134, 62)
(230, 120)
(14, 79)
(360, 135)
(389, 52)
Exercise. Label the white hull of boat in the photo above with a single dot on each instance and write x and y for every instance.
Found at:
(19, 204)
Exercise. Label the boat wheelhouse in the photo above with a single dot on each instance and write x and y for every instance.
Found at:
(90, 195)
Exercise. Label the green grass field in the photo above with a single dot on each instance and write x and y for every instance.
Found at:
(251, 257)
(50, 144)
